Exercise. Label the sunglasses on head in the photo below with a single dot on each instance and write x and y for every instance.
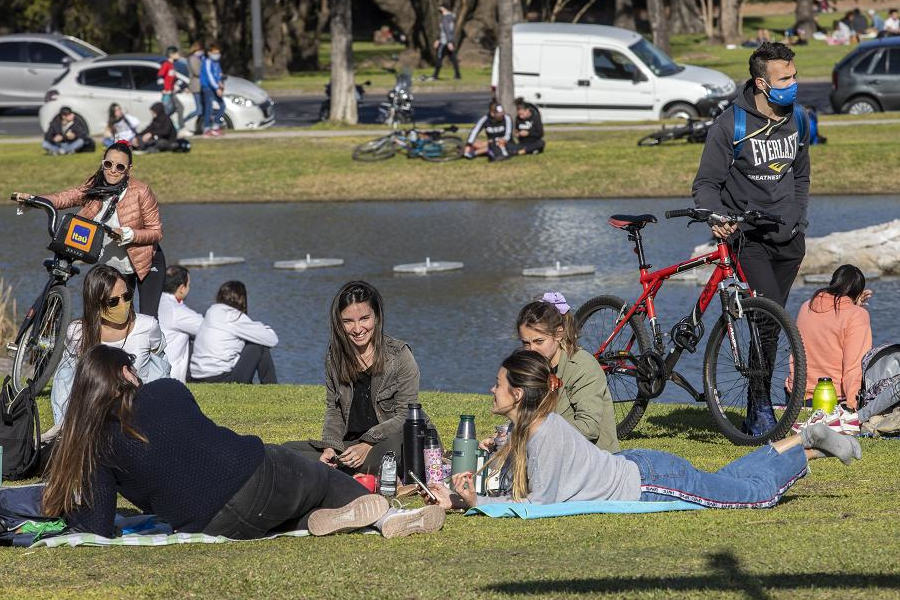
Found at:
(109, 165)
(114, 301)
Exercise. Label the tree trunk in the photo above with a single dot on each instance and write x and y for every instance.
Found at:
(302, 27)
(428, 19)
(343, 90)
(482, 27)
(659, 24)
(403, 14)
(729, 22)
(505, 91)
(163, 19)
(518, 12)
(277, 49)
(584, 9)
(805, 19)
(708, 8)
(624, 14)
(686, 16)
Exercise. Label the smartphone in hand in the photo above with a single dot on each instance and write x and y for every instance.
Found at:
(422, 486)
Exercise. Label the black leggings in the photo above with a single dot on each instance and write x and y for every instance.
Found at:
(281, 494)
(150, 287)
(442, 50)
(254, 360)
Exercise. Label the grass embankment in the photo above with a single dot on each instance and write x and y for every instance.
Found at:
(833, 534)
(577, 164)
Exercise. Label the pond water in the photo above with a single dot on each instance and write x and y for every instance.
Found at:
(460, 323)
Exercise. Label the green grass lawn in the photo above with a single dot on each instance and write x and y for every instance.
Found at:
(577, 164)
(833, 535)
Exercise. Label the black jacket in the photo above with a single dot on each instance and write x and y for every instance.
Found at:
(771, 172)
(79, 128)
(161, 127)
(532, 124)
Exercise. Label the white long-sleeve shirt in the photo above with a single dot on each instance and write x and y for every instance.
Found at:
(221, 339)
(179, 323)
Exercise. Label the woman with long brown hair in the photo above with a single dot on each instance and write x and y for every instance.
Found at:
(550, 461)
(152, 444)
(108, 318)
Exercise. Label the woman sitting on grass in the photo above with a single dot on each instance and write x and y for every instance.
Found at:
(152, 444)
(551, 461)
(370, 378)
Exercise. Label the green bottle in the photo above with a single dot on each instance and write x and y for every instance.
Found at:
(825, 396)
(465, 446)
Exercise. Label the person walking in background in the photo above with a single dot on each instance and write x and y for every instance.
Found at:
(121, 127)
(230, 346)
(446, 44)
(195, 68)
(67, 133)
(167, 74)
(213, 88)
(178, 322)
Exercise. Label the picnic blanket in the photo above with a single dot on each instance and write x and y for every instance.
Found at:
(526, 510)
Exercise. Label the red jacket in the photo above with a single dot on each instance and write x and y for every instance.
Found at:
(167, 72)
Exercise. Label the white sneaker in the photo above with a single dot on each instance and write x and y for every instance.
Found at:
(402, 522)
(357, 514)
(818, 415)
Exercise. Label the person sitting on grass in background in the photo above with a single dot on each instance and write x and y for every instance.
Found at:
(498, 128)
(67, 133)
(120, 127)
(230, 346)
(109, 318)
(892, 24)
(179, 323)
(160, 135)
(550, 461)
(151, 443)
(370, 378)
(584, 401)
(529, 129)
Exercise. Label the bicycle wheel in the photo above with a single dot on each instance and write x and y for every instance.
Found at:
(37, 359)
(769, 346)
(596, 320)
(658, 137)
(443, 149)
(378, 149)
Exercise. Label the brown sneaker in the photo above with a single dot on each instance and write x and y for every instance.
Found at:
(359, 513)
(402, 523)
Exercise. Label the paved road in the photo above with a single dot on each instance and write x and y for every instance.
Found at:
(460, 107)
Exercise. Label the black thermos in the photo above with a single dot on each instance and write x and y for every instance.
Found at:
(414, 443)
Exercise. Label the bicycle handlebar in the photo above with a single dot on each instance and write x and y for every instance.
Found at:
(53, 216)
(704, 215)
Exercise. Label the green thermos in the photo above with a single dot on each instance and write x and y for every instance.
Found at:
(825, 396)
(465, 446)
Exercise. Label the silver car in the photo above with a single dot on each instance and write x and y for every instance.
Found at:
(31, 62)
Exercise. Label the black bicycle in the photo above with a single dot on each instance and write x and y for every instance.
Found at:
(40, 341)
(694, 131)
(432, 145)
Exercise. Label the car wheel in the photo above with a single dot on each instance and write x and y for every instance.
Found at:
(680, 110)
(229, 124)
(860, 106)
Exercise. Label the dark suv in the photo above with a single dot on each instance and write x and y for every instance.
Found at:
(868, 79)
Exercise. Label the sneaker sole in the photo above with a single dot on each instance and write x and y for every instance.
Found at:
(359, 513)
(425, 520)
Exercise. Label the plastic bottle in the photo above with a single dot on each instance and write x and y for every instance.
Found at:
(480, 480)
(825, 396)
(465, 446)
(387, 475)
(414, 442)
(434, 458)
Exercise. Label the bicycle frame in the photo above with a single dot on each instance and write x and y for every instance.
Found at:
(728, 277)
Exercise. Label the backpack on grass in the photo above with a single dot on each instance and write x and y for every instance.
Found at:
(20, 432)
(881, 376)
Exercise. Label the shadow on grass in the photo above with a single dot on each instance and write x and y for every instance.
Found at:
(725, 574)
(688, 422)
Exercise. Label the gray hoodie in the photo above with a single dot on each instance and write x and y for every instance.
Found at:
(771, 172)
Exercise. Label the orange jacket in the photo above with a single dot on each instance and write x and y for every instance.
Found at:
(835, 343)
(138, 209)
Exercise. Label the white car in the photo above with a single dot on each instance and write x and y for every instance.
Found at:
(88, 87)
(578, 73)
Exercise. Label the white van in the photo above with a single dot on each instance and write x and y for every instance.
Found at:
(581, 73)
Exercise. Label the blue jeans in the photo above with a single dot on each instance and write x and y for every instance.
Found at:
(63, 147)
(756, 480)
(211, 120)
(198, 107)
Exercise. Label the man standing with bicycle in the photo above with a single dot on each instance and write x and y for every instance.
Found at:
(757, 158)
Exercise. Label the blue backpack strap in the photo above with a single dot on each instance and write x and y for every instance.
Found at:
(740, 130)
(800, 118)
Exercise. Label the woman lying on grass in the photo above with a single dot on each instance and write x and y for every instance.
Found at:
(551, 461)
(152, 444)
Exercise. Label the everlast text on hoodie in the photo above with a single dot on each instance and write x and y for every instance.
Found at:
(771, 172)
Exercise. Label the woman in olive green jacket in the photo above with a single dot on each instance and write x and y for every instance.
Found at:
(547, 326)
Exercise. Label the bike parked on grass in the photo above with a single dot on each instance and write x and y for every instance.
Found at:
(431, 145)
(753, 346)
(694, 131)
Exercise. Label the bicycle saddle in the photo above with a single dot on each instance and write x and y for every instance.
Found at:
(631, 222)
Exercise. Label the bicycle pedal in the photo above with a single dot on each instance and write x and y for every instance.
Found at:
(11, 349)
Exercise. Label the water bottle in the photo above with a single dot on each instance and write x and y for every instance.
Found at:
(465, 446)
(434, 458)
(387, 475)
(414, 442)
(825, 396)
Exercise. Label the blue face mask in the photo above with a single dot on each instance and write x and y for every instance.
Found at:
(782, 96)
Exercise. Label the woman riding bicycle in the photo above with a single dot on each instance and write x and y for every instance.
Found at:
(128, 206)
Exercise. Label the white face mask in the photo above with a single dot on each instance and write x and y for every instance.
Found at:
(215, 56)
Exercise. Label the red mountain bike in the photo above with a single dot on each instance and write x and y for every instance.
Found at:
(752, 349)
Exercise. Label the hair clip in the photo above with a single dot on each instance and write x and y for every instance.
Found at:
(554, 382)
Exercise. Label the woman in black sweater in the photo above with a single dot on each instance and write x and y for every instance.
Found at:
(152, 444)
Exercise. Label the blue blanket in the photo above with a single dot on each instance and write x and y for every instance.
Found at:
(526, 510)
